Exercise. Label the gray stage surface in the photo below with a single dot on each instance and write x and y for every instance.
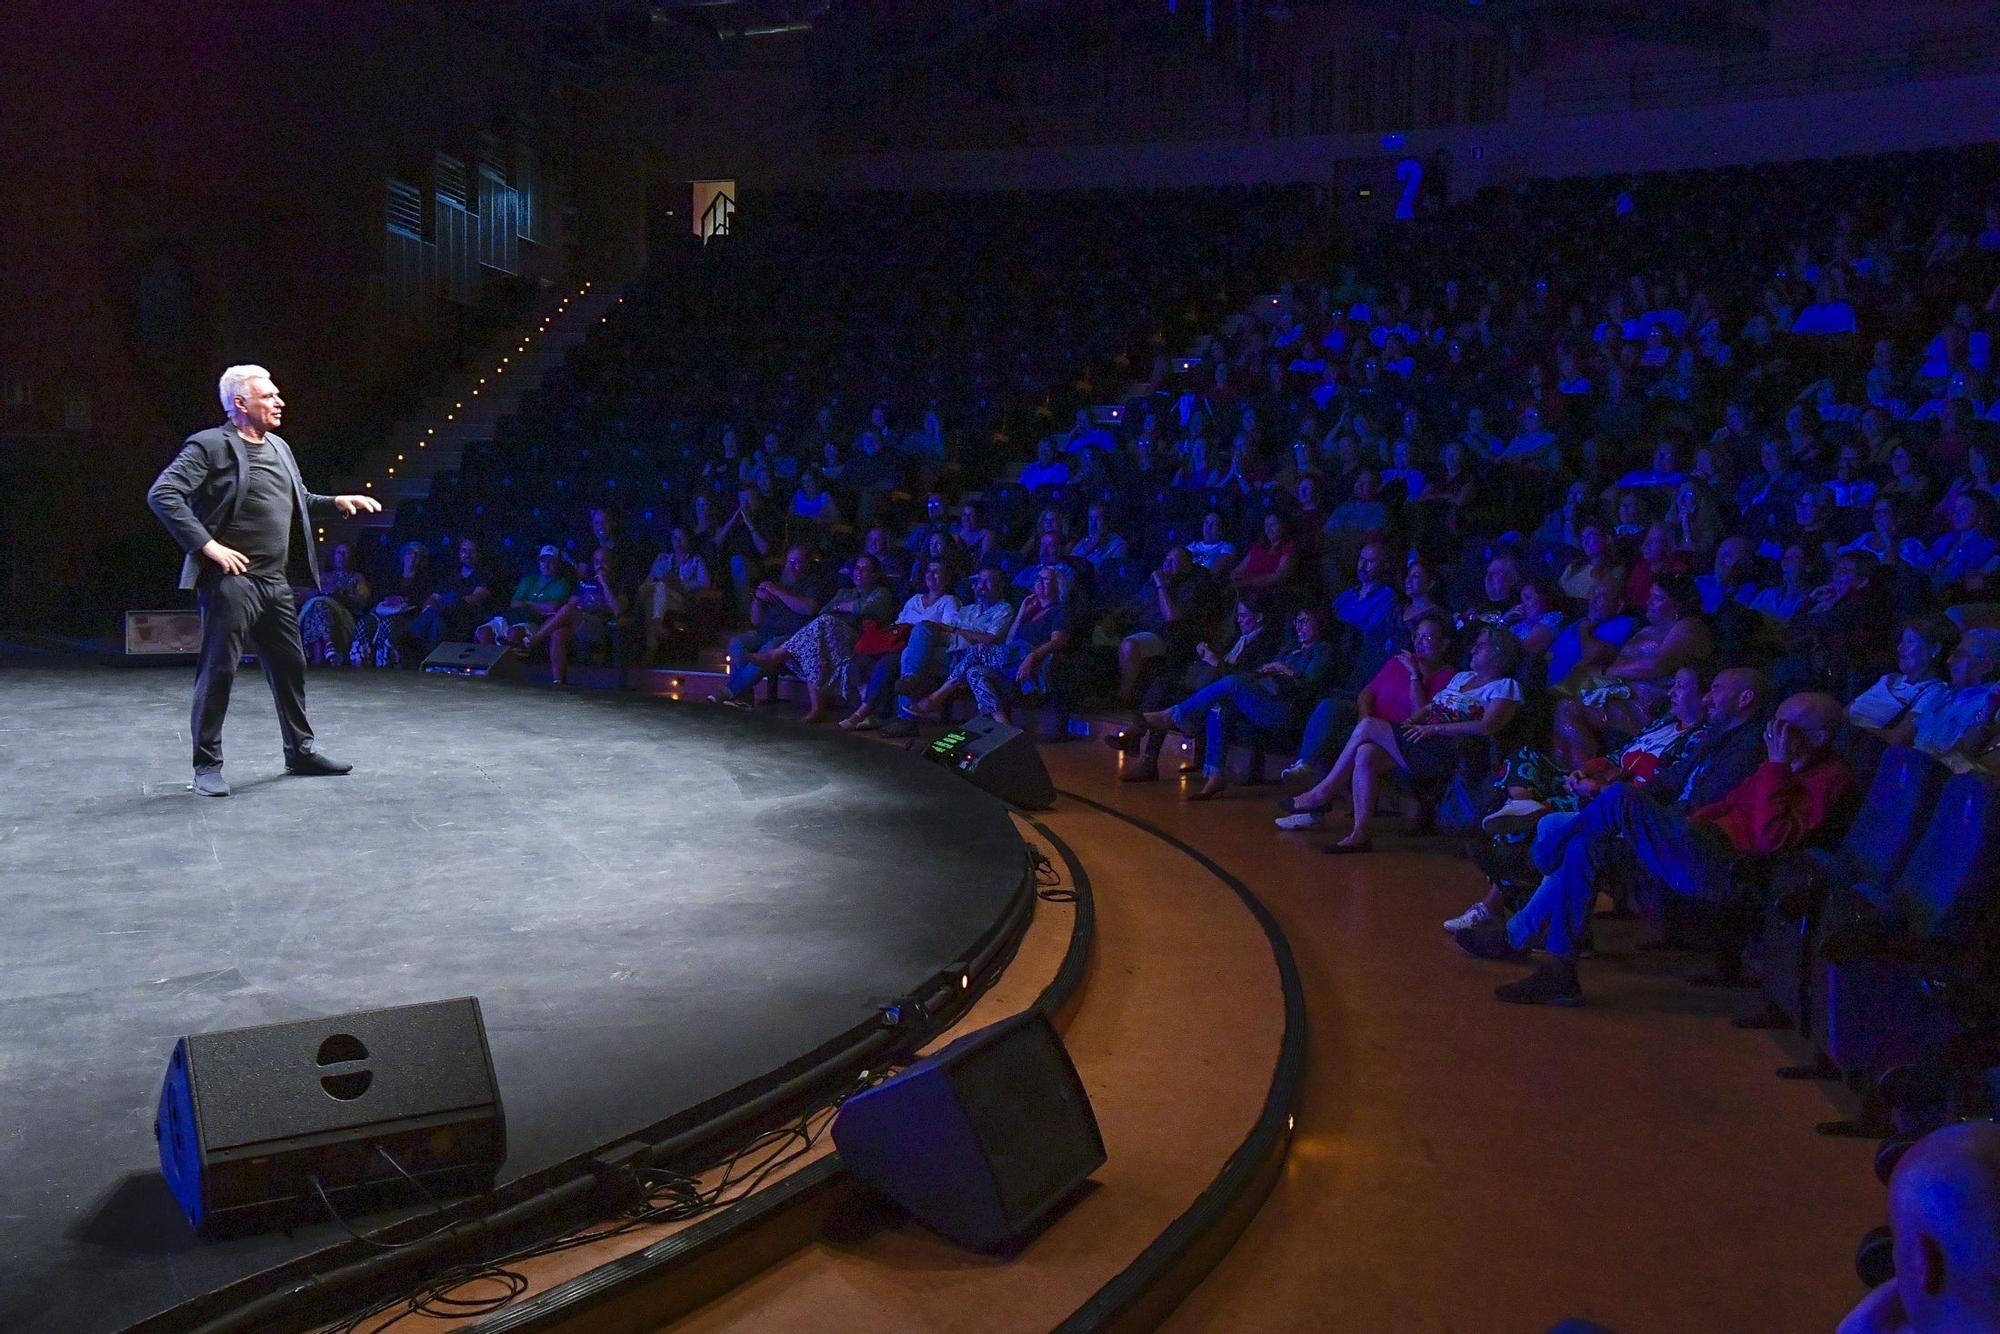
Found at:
(655, 903)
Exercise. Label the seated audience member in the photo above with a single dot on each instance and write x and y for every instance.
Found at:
(538, 596)
(1499, 594)
(973, 535)
(678, 584)
(326, 618)
(1734, 577)
(821, 651)
(938, 546)
(1360, 517)
(980, 624)
(1788, 800)
(1213, 552)
(1958, 727)
(465, 596)
(1048, 469)
(1536, 620)
(1049, 555)
(1099, 544)
(589, 619)
(1367, 623)
(1944, 1216)
(1961, 562)
(1420, 588)
(1255, 645)
(779, 608)
(1399, 688)
(902, 653)
(1596, 563)
(1271, 561)
(1261, 701)
(1157, 627)
(1590, 643)
(740, 545)
(1841, 626)
(1633, 688)
(998, 675)
(1798, 575)
(1476, 703)
(1539, 793)
(380, 638)
(1657, 557)
(812, 505)
(1892, 705)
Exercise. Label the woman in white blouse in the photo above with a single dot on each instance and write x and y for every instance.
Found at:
(920, 654)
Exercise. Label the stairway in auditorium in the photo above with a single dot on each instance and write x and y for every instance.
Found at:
(468, 410)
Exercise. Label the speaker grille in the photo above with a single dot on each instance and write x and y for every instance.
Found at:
(1030, 1116)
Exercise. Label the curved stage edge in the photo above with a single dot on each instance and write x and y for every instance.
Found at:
(654, 1287)
(810, 884)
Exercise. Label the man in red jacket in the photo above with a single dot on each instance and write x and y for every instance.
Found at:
(1778, 807)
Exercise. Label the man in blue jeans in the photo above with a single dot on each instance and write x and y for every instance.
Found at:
(1784, 802)
(1263, 700)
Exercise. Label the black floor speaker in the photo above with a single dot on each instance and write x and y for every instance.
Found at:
(981, 1141)
(459, 659)
(256, 1124)
(1001, 759)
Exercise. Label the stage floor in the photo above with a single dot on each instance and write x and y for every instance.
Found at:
(655, 903)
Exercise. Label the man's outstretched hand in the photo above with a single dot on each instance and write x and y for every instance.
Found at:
(353, 505)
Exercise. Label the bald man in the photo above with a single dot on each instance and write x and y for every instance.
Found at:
(1788, 799)
(1944, 1208)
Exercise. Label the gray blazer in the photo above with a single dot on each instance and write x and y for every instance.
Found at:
(199, 492)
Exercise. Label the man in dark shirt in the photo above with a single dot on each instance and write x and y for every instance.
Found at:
(229, 499)
(778, 609)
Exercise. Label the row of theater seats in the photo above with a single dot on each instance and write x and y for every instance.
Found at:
(1880, 952)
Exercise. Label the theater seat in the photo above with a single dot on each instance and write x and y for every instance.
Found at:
(1890, 988)
(1862, 869)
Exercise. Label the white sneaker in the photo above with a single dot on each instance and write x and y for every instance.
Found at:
(1517, 815)
(1306, 821)
(1298, 771)
(1477, 915)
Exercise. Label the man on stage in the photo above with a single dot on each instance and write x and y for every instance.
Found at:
(229, 499)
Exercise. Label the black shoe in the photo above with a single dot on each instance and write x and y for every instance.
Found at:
(899, 727)
(210, 783)
(1554, 983)
(312, 762)
(1293, 806)
(1485, 942)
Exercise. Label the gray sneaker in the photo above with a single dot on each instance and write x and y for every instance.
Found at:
(210, 783)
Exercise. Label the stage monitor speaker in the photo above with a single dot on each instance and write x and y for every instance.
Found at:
(1001, 759)
(982, 1140)
(249, 1118)
(457, 659)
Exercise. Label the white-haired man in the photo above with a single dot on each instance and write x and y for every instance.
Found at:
(230, 498)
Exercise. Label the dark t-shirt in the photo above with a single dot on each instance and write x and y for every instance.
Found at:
(261, 527)
(782, 620)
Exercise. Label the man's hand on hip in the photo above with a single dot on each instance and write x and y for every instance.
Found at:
(353, 505)
(230, 560)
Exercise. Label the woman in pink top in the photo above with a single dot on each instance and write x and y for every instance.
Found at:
(1404, 685)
